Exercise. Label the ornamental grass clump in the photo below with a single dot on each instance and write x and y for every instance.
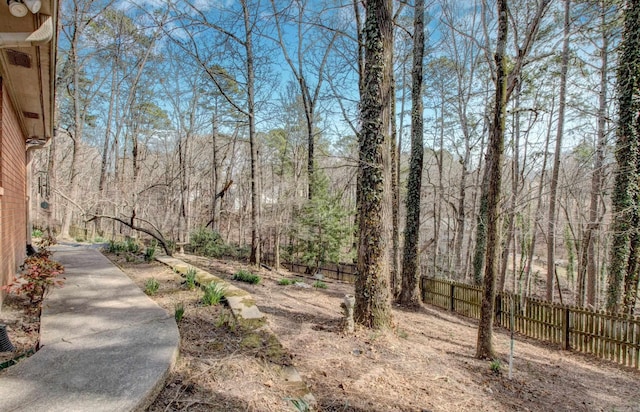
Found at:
(213, 294)
(246, 276)
(151, 286)
(190, 278)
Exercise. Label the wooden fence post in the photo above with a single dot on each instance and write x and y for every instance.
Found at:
(565, 329)
(498, 309)
(452, 300)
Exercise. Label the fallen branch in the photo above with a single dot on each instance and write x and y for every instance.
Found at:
(157, 236)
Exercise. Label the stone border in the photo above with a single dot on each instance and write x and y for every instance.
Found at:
(244, 308)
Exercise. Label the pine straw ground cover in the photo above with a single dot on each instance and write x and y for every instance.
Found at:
(425, 364)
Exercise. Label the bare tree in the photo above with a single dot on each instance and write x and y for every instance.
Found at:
(409, 294)
(484, 347)
(551, 234)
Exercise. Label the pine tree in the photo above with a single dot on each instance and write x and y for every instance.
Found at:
(320, 226)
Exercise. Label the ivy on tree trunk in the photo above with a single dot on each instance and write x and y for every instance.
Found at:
(373, 308)
(410, 294)
(624, 244)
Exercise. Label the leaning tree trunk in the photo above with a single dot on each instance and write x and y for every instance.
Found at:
(410, 294)
(373, 308)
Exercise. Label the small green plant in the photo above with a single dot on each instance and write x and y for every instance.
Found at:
(36, 233)
(403, 334)
(149, 253)
(132, 245)
(246, 276)
(98, 239)
(285, 282)
(178, 312)
(319, 284)
(496, 366)
(151, 286)
(300, 404)
(116, 247)
(213, 294)
(190, 278)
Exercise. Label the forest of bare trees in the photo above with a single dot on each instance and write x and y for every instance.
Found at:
(494, 139)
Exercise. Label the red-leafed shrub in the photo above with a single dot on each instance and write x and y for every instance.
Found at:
(39, 273)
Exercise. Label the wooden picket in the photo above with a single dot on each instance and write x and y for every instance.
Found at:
(607, 336)
(612, 337)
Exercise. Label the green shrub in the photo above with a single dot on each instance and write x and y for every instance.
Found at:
(36, 233)
(213, 294)
(132, 245)
(190, 281)
(116, 247)
(150, 252)
(496, 366)
(178, 312)
(285, 282)
(246, 276)
(206, 242)
(151, 286)
(319, 284)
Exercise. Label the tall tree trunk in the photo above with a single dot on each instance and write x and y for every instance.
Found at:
(373, 308)
(395, 192)
(253, 145)
(105, 148)
(215, 175)
(625, 192)
(589, 264)
(515, 174)
(51, 177)
(410, 293)
(495, 151)
(632, 276)
(437, 207)
(551, 235)
(537, 214)
(76, 136)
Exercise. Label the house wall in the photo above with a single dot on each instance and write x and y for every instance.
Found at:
(12, 191)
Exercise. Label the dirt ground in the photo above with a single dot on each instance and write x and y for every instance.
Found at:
(22, 321)
(425, 364)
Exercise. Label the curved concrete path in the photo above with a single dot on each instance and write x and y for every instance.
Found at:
(105, 346)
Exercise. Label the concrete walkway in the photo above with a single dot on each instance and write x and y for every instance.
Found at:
(105, 346)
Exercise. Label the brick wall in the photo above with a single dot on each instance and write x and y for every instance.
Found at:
(12, 191)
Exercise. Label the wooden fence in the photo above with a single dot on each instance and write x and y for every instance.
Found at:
(611, 337)
(342, 271)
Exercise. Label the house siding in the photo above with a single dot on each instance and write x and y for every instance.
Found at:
(12, 192)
